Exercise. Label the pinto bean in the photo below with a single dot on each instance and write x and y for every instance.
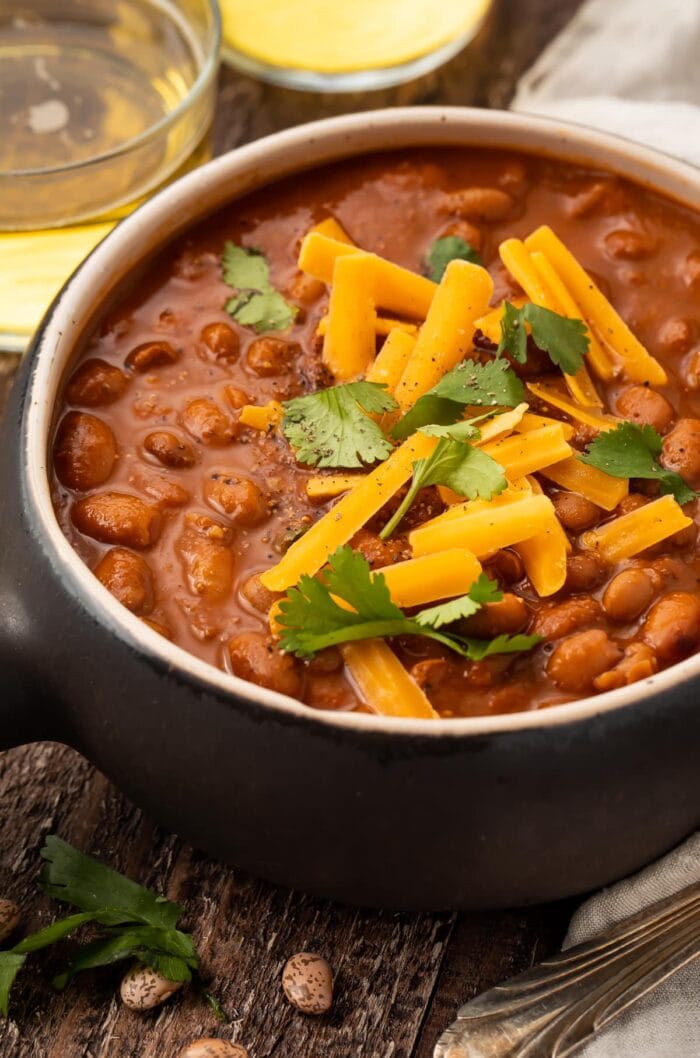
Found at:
(255, 657)
(628, 594)
(10, 917)
(239, 498)
(158, 627)
(690, 271)
(144, 988)
(117, 518)
(628, 244)
(676, 336)
(498, 618)
(480, 203)
(681, 451)
(307, 981)
(579, 659)
(378, 552)
(84, 451)
(149, 355)
(221, 340)
(169, 449)
(575, 512)
(645, 406)
(159, 487)
(204, 546)
(506, 566)
(205, 421)
(584, 572)
(305, 288)
(95, 383)
(129, 578)
(672, 626)
(271, 356)
(259, 597)
(637, 664)
(564, 618)
(213, 1048)
(591, 199)
(464, 229)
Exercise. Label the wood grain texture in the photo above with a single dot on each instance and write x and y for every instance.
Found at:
(399, 978)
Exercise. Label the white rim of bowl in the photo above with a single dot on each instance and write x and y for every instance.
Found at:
(180, 207)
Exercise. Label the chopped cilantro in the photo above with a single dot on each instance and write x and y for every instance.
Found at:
(311, 619)
(470, 383)
(256, 302)
(461, 467)
(134, 923)
(563, 339)
(630, 451)
(333, 428)
(449, 248)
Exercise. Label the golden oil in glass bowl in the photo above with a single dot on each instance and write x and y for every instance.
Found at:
(101, 101)
(330, 45)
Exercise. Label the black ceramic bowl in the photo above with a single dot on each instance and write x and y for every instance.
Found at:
(401, 813)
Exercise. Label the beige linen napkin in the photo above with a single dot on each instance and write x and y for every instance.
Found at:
(632, 67)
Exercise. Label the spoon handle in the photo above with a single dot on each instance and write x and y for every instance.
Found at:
(553, 1009)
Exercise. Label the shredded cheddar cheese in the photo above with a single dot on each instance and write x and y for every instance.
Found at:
(444, 575)
(634, 532)
(391, 359)
(587, 481)
(637, 364)
(551, 395)
(349, 345)
(484, 529)
(328, 486)
(383, 683)
(524, 453)
(263, 417)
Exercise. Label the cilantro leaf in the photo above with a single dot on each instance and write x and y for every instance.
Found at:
(563, 339)
(513, 333)
(461, 467)
(167, 950)
(332, 428)
(482, 591)
(470, 383)
(10, 965)
(630, 451)
(75, 878)
(466, 430)
(256, 302)
(310, 619)
(449, 248)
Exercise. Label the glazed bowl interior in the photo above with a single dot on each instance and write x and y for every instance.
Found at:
(117, 263)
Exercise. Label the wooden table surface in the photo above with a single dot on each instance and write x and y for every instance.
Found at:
(400, 977)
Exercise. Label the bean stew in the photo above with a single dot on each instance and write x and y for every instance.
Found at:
(544, 551)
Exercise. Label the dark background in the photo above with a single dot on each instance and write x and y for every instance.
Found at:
(400, 977)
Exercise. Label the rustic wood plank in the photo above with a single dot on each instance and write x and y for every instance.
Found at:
(400, 977)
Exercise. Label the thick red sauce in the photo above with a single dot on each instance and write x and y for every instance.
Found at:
(643, 250)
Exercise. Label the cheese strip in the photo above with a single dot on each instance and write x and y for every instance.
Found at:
(520, 265)
(501, 425)
(311, 551)
(333, 230)
(530, 421)
(446, 336)
(524, 453)
(395, 288)
(638, 365)
(458, 505)
(391, 359)
(560, 400)
(596, 355)
(490, 324)
(383, 683)
(634, 532)
(419, 581)
(484, 530)
(261, 416)
(330, 485)
(383, 325)
(599, 488)
(544, 554)
(349, 344)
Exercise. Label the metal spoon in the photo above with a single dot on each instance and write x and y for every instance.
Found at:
(552, 1010)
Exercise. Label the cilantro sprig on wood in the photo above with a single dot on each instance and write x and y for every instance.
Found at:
(631, 451)
(460, 466)
(128, 922)
(312, 616)
(564, 340)
(256, 302)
